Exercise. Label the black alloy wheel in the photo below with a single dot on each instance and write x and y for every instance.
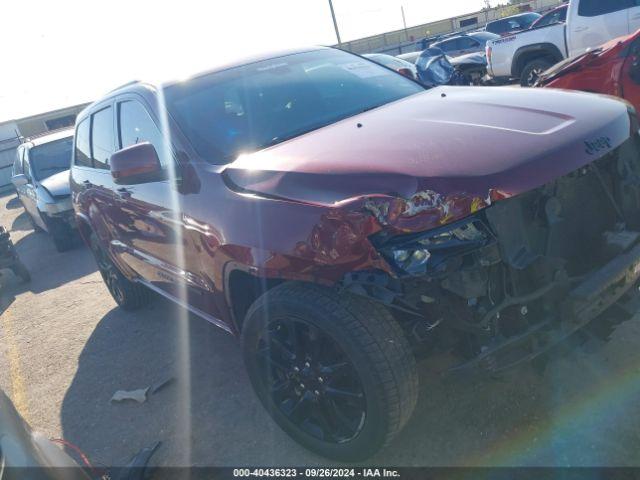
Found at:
(334, 370)
(311, 381)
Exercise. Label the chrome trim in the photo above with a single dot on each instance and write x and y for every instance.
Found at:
(196, 311)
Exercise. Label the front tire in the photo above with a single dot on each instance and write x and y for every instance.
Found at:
(532, 71)
(127, 294)
(335, 371)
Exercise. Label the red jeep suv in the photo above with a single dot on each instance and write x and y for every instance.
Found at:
(343, 221)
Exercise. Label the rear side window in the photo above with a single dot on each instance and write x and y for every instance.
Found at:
(500, 26)
(82, 156)
(552, 18)
(447, 46)
(466, 42)
(102, 138)
(135, 125)
(595, 8)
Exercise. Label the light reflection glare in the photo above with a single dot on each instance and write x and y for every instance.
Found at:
(183, 348)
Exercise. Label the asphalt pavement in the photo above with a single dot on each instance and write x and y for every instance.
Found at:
(65, 349)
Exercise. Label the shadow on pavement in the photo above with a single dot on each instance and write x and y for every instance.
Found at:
(454, 423)
(21, 223)
(129, 351)
(13, 203)
(49, 268)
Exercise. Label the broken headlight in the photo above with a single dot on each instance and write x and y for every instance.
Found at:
(430, 252)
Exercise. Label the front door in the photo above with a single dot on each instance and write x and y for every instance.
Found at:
(157, 241)
(29, 194)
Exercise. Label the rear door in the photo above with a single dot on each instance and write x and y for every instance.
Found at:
(594, 22)
(97, 183)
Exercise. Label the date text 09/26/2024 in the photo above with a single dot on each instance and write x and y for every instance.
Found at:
(316, 473)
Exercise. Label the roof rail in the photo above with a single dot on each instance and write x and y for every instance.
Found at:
(132, 82)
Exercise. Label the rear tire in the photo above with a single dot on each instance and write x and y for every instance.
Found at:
(368, 394)
(20, 271)
(532, 71)
(62, 241)
(127, 294)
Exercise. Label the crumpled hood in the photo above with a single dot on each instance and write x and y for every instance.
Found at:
(478, 58)
(58, 184)
(464, 143)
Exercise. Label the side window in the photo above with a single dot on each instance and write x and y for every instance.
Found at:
(82, 155)
(595, 8)
(135, 125)
(498, 27)
(101, 138)
(448, 46)
(466, 42)
(17, 164)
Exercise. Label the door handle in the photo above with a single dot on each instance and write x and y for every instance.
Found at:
(581, 29)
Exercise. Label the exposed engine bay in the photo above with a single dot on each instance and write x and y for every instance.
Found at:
(516, 278)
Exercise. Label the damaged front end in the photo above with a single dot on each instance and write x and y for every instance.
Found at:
(513, 279)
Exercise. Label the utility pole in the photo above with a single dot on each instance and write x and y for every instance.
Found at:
(335, 23)
(404, 21)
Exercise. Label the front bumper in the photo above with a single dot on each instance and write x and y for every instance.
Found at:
(614, 284)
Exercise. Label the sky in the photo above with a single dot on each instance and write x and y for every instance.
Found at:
(57, 53)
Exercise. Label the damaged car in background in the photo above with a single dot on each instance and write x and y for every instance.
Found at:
(342, 221)
(612, 69)
(41, 176)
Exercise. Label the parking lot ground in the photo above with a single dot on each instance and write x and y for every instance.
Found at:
(65, 349)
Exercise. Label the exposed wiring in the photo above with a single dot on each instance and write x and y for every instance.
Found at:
(76, 449)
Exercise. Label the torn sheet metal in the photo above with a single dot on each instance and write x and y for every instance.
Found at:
(435, 209)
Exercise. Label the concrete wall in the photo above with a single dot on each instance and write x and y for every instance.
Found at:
(8, 142)
(26, 127)
(402, 41)
(44, 122)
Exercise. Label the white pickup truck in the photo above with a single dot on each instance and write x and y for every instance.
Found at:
(589, 24)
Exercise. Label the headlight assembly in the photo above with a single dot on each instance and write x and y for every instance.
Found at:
(430, 252)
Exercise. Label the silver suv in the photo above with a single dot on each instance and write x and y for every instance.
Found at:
(41, 177)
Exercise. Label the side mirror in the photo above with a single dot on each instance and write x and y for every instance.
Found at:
(19, 180)
(406, 72)
(138, 163)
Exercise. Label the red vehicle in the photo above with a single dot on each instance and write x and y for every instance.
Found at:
(613, 69)
(343, 221)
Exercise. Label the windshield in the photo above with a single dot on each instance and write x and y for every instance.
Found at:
(50, 158)
(251, 107)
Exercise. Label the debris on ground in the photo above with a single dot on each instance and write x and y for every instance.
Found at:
(139, 395)
(136, 469)
(156, 387)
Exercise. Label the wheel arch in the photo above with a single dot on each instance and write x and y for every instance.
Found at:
(84, 228)
(532, 52)
(242, 288)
